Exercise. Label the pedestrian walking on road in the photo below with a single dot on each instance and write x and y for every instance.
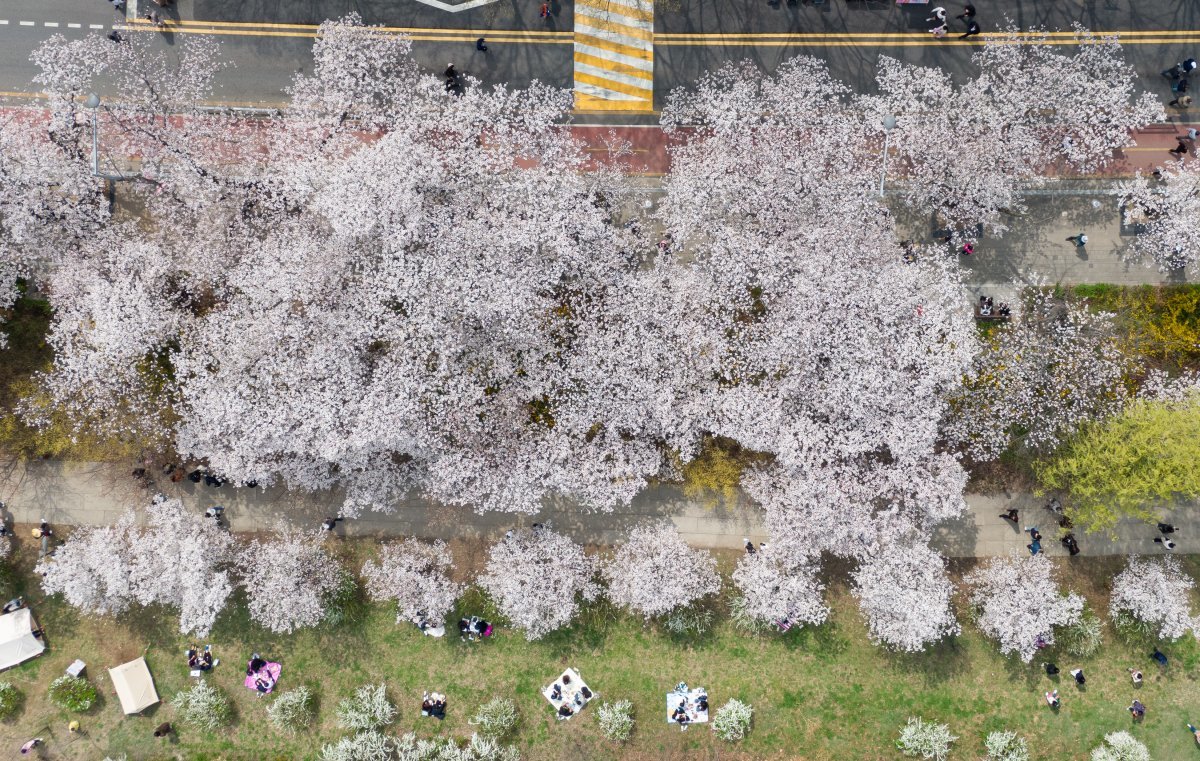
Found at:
(330, 523)
(1167, 528)
(1179, 150)
(545, 10)
(1071, 545)
(967, 14)
(1183, 101)
(939, 15)
(1011, 515)
(1181, 69)
(480, 46)
(972, 30)
(1167, 544)
(1079, 240)
(119, 5)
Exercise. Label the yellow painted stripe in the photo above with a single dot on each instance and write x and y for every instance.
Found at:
(617, 7)
(607, 65)
(973, 41)
(613, 47)
(591, 104)
(612, 26)
(621, 87)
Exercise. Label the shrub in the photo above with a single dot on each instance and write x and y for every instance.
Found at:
(72, 693)
(616, 720)
(1134, 630)
(10, 700)
(743, 619)
(203, 706)
(1120, 746)
(370, 745)
(292, 710)
(342, 603)
(1006, 746)
(732, 720)
(368, 708)
(410, 748)
(688, 622)
(924, 739)
(1084, 637)
(496, 718)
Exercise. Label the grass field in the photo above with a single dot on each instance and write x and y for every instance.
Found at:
(824, 693)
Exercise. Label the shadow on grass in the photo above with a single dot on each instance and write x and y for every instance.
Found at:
(589, 631)
(825, 640)
(945, 660)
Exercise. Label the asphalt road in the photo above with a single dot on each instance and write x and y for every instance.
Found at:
(270, 40)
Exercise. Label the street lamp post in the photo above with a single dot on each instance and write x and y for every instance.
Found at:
(889, 123)
(93, 104)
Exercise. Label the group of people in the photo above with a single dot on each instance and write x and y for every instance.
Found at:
(433, 704)
(561, 688)
(987, 308)
(1179, 74)
(941, 26)
(1035, 544)
(263, 679)
(201, 660)
(681, 716)
(1137, 709)
(473, 629)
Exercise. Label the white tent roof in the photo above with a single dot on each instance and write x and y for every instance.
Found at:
(135, 686)
(17, 643)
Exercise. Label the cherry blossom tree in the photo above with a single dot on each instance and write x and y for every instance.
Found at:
(415, 575)
(968, 151)
(537, 577)
(1166, 205)
(91, 569)
(779, 587)
(1019, 604)
(288, 578)
(1057, 366)
(1155, 592)
(799, 334)
(182, 559)
(905, 596)
(654, 572)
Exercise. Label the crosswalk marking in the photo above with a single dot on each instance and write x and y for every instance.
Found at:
(614, 55)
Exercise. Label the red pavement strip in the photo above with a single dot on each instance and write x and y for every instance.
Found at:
(649, 146)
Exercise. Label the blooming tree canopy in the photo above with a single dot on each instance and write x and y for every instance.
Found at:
(1057, 366)
(1155, 592)
(778, 587)
(415, 575)
(654, 572)
(288, 578)
(967, 151)
(905, 596)
(1019, 604)
(536, 577)
(1167, 209)
(91, 569)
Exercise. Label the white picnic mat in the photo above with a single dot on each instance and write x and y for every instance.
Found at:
(572, 692)
(690, 700)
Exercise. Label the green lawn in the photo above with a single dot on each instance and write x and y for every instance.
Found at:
(818, 694)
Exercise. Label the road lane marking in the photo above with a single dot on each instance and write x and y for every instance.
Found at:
(73, 26)
(95, 26)
(27, 23)
(51, 23)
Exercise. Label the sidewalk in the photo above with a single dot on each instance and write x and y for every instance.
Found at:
(98, 493)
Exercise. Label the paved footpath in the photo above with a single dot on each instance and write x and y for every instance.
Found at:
(98, 493)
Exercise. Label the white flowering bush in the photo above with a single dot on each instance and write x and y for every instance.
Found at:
(292, 710)
(923, 739)
(369, 745)
(1006, 746)
(654, 572)
(616, 720)
(1084, 637)
(537, 578)
(368, 709)
(731, 722)
(203, 706)
(288, 578)
(1155, 593)
(495, 718)
(411, 748)
(1121, 746)
(1019, 605)
(415, 575)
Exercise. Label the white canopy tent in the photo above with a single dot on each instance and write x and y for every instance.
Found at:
(135, 686)
(17, 643)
